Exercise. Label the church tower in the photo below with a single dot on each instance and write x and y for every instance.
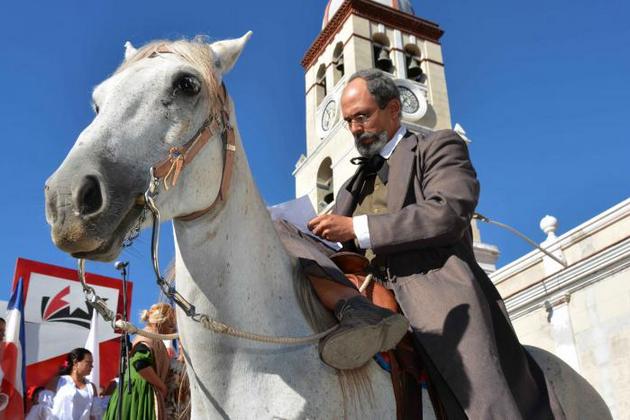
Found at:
(357, 35)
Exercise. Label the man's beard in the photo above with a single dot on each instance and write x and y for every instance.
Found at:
(371, 149)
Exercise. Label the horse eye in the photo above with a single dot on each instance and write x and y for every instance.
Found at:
(188, 84)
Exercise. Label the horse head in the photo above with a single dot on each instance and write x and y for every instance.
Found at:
(158, 100)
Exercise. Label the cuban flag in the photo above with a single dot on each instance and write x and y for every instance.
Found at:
(12, 372)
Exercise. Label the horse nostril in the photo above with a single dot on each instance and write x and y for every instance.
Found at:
(89, 197)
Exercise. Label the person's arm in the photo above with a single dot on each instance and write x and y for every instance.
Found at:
(451, 190)
(143, 366)
(149, 375)
(111, 387)
(96, 411)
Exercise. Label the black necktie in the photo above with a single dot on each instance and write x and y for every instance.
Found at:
(376, 164)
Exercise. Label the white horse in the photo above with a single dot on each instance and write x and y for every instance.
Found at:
(230, 262)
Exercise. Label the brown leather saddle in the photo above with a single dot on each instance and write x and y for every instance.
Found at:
(407, 373)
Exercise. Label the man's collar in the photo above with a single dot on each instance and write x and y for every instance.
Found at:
(389, 147)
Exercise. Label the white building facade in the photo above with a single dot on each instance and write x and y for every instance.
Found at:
(580, 311)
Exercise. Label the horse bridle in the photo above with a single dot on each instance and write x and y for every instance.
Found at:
(177, 159)
(168, 171)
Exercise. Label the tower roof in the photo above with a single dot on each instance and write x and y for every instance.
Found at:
(333, 5)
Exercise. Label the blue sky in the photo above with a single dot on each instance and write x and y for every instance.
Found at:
(541, 87)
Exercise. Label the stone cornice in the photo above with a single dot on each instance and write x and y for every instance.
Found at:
(577, 234)
(598, 267)
(373, 11)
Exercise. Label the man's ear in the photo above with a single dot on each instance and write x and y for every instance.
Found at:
(226, 52)
(394, 108)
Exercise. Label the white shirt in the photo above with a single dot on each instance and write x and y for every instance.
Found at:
(360, 223)
(72, 403)
(42, 410)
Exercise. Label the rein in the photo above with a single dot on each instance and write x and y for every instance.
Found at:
(100, 305)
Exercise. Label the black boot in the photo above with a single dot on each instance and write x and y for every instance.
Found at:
(364, 330)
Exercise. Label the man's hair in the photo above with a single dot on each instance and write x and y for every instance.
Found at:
(380, 86)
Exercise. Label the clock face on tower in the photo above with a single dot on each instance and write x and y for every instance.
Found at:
(409, 100)
(412, 100)
(328, 115)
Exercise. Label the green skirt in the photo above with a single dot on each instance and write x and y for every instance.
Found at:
(140, 403)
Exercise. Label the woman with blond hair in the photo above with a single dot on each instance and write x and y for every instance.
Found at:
(149, 363)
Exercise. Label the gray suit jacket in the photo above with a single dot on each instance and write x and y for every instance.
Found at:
(459, 321)
(432, 194)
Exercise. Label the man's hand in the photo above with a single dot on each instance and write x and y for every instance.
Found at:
(332, 227)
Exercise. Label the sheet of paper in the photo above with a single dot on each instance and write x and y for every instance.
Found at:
(298, 212)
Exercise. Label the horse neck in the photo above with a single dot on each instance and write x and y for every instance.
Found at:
(236, 260)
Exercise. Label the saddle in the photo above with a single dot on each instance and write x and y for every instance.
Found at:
(404, 362)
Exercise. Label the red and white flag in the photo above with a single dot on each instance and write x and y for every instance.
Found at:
(12, 365)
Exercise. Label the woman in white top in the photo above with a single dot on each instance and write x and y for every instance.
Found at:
(42, 404)
(75, 396)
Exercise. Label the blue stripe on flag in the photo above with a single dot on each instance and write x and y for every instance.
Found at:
(17, 303)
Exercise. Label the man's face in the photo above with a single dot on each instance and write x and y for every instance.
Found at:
(378, 126)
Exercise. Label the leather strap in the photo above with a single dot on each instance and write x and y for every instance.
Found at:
(397, 385)
(226, 178)
(405, 373)
(178, 158)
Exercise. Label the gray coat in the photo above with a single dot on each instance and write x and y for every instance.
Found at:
(461, 328)
(459, 321)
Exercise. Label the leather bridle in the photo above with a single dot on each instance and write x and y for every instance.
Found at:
(168, 170)
(178, 158)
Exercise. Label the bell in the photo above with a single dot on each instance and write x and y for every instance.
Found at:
(339, 64)
(383, 61)
(413, 69)
(324, 184)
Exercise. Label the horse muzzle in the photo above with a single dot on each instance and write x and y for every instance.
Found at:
(85, 222)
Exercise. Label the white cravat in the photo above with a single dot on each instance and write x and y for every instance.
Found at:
(360, 223)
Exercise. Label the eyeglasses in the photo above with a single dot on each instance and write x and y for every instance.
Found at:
(359, 119)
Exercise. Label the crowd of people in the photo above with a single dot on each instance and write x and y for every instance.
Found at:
(155, 388)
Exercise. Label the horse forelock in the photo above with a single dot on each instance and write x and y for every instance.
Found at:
(195, 52)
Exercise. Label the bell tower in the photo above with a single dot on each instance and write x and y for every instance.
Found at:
(357, 35)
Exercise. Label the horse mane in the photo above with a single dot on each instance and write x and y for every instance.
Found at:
(356, 387)
(196, 52)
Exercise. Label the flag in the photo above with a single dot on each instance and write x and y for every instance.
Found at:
(170, 348)
(13, 357)
(92, 345)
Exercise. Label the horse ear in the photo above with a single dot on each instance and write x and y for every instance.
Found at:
(226, 52)
(130, 50)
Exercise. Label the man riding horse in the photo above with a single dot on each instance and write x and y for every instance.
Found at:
(408, 209)
(168, 95)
